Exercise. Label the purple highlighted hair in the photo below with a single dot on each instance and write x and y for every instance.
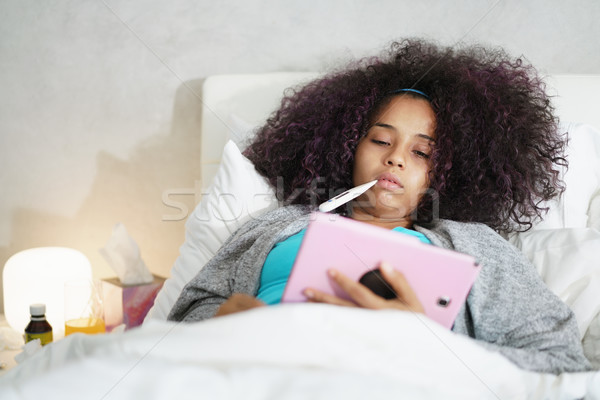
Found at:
(498, 150)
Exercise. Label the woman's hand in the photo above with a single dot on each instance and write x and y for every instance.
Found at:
(406, 298)
(238, 302)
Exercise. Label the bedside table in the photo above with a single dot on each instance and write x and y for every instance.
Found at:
(7, 356)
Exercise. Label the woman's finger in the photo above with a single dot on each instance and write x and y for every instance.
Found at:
(403, 290)
(358, 292)
(316, 296)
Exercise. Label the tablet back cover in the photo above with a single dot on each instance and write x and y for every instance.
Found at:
(441, 278)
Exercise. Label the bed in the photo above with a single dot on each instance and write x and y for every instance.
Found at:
(319, 351)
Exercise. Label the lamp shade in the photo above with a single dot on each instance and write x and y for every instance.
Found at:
(38, 275)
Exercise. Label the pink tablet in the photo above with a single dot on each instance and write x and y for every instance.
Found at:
(441, 278)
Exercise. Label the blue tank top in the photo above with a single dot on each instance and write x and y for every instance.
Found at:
(278, 265)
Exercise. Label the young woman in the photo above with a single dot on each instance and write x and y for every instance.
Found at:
(462, 143)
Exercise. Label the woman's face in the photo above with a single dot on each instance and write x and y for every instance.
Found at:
(396, 151)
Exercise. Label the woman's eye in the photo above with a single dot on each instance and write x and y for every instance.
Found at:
(380, 142)
(421, 154)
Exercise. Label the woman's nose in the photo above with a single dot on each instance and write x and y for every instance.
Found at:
(395, 158)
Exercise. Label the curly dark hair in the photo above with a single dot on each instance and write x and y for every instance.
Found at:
(498, 148)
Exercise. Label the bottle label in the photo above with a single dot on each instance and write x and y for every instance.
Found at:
(45, 337)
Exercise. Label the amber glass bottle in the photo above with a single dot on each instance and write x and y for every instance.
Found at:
(38, 327)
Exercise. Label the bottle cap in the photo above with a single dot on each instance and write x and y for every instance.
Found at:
(37, 309)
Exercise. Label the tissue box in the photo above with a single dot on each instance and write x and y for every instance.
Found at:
(128, 304)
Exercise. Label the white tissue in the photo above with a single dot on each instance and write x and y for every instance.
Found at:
(10, 339)
(123, 255)
(29, 349)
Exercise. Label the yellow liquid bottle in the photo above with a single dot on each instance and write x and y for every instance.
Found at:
(85, 325)
(38, 327)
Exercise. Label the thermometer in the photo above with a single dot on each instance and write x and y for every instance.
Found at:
(345, 197)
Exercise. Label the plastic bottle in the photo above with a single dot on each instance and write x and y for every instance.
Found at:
(38, 327)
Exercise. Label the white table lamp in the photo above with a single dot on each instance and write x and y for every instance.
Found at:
(38, 275)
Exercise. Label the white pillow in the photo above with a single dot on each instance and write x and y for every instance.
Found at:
(582, 180)
(237, 194)
(567, 260)
(594, 211)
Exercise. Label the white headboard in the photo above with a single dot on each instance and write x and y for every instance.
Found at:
(230, 99)
(577, 97)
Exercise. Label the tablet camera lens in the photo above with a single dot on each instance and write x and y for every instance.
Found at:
(443, 301)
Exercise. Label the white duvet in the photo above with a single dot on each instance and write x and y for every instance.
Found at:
(302, 351)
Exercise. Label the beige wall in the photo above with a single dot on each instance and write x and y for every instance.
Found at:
(97, 121)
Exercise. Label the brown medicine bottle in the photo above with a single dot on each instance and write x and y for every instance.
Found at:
(38, 327)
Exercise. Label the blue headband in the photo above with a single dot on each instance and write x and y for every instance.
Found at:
(410, 90)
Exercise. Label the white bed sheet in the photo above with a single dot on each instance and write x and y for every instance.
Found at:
(302, 351)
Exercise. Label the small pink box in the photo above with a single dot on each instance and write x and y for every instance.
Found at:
(128, 304)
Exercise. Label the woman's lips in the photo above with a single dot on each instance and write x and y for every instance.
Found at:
(389, 181)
